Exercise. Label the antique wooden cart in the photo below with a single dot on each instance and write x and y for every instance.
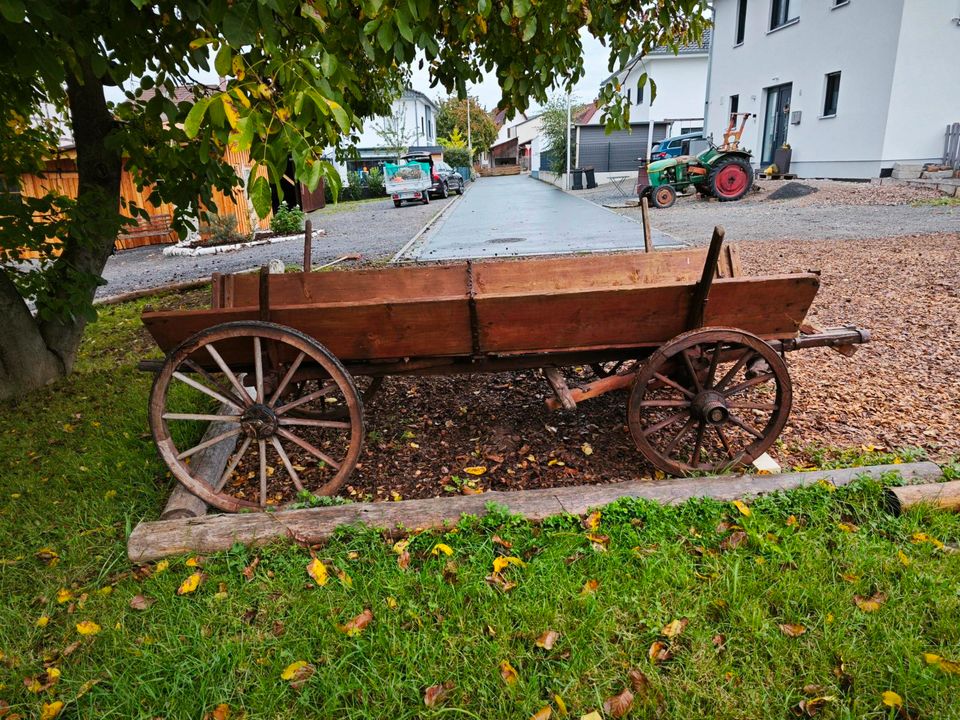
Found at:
(277, 360)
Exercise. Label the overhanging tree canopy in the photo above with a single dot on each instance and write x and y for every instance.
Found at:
(300, 77)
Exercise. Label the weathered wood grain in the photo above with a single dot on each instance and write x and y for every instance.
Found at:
(212, 533)
(945, 496)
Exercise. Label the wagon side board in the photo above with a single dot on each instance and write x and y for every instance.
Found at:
(772, 307)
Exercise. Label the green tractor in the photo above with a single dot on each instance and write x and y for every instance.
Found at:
(722, 172)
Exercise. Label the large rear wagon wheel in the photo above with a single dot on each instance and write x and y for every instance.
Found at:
(730, 179)
(240, 376)
(709, 400)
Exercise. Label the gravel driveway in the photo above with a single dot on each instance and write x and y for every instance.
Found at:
(375, 230)
(834, 211)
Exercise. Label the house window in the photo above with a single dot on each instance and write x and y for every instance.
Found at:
(831, 94)
(741, 22)
(629, 98)
(639, 94)
(734, 104)
(840, 3)
(780, 14)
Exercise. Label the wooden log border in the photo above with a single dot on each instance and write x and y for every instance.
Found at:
(944, 496)
(214, 533)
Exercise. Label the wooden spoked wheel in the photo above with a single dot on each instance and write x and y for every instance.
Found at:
(238, 375)
(709, 400)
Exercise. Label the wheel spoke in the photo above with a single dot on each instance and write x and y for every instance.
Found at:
(744, 405)
(315, 423)
(676, 386)
(745, 426)
(198, 417)
(240, 401)
(749, 353)
(294, 366)
(693, 373)
(711, 375)
(309, 448)
(205, 390)
(286, 463)
(698, 445)
(683, 431)
(758, 380)
(325, 390)
(665, 403)
(234, 461)
(258, 367)
(663, 423)
(207, 443)
(243, 394)
(724, 442)
(262, 446)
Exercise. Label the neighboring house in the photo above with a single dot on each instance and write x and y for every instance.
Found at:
(678, 108)
(514, 142)
(853, 86)
(417, 114)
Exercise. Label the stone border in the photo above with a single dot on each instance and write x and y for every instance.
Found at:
(215, 533)
(181, 249)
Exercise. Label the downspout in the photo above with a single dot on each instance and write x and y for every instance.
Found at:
(706, 97)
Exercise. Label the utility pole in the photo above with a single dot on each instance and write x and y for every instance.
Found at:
(566, 182)
(469, 137)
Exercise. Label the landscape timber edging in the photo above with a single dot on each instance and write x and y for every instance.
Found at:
(214, 533)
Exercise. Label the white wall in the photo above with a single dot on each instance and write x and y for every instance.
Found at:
(926, 83)
(506, 130)
(899, 78)
(681, 86)
(421, 132)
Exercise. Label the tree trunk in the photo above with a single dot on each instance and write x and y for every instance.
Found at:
(38, 351)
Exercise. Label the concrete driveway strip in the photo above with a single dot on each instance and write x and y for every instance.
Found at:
(518, 215)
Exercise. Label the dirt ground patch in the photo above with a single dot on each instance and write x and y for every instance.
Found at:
(900, 390)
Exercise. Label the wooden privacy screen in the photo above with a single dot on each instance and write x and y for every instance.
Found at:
(492, 277)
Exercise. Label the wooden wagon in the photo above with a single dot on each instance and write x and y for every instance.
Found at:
(277, 360)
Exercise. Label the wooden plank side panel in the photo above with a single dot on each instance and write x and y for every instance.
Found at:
(540, 275)
(351, 332)
(362, 286)
(772, 307)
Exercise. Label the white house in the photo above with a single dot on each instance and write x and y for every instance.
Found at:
(414, 114)
(513, 145)
(853, 86)
(681, 81)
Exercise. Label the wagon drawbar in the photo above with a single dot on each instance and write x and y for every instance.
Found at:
(284, 363)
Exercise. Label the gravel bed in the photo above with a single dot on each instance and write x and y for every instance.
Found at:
(836, 210)
(375, 230)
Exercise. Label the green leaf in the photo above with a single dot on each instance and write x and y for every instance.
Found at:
(260, 195)
(328, 64)
(529, 28)
(521, 8)
(340, 115)
(200, 42)
(404, 26)
(484, 7)
(222, 63)
(13, 10)
(191, 126)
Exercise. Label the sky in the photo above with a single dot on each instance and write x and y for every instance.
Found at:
(488, 92)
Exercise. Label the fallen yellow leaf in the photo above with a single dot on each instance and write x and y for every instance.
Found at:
(292, 669)
(659, 652)
(561, 706)
(500, 563)
(891, 699)
(847, 527)
(674, 627)
(161, 566)
(792, 630)
(590, 587)
(591, 716)
(87, 627)
(49, 711)
(318, 571)
(64, 595)
(441, 548)
(742, 507)
(950, 666)
(919, 538)
(297, 673)
(42, 621)
(903, 558)
(586, 449)
(190, 584)
(544, 713)
(475, 470)
(356, 626)
(870, 604)
(547, 639)
(508, 673)
(400, 546)
(344, 578)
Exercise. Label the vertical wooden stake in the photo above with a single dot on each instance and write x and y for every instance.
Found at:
(645, 212)
(308, 246)
(701, 291)
(265, 293)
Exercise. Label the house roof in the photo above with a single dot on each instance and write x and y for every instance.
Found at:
(584, 116)
(184, 93)
(689, 49)
(410, 94)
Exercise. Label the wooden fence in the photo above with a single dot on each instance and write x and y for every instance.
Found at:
(951, 146)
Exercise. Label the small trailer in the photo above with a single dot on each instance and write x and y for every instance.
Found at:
(277, 362)
(410, 182)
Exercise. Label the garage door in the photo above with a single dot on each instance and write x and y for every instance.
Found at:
(618, 151)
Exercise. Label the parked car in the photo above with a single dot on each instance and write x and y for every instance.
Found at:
(445, 179)
(674, 146)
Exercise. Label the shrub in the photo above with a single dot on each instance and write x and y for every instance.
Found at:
(222, 230)
(375, 183)
(457, 157)
(286, 220)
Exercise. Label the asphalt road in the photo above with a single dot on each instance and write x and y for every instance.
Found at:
(517, 215)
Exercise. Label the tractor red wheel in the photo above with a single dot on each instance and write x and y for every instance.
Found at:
(664, 196)
(731, 179)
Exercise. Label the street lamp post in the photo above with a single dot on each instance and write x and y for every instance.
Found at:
(566, 182)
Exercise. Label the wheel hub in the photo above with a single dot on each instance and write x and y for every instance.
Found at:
(259, 421)
(710, 407)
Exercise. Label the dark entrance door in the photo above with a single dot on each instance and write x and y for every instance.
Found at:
(776, 120)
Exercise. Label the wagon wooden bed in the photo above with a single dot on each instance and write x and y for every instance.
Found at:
(275, 359)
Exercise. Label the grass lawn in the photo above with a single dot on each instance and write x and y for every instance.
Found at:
(770, 599)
